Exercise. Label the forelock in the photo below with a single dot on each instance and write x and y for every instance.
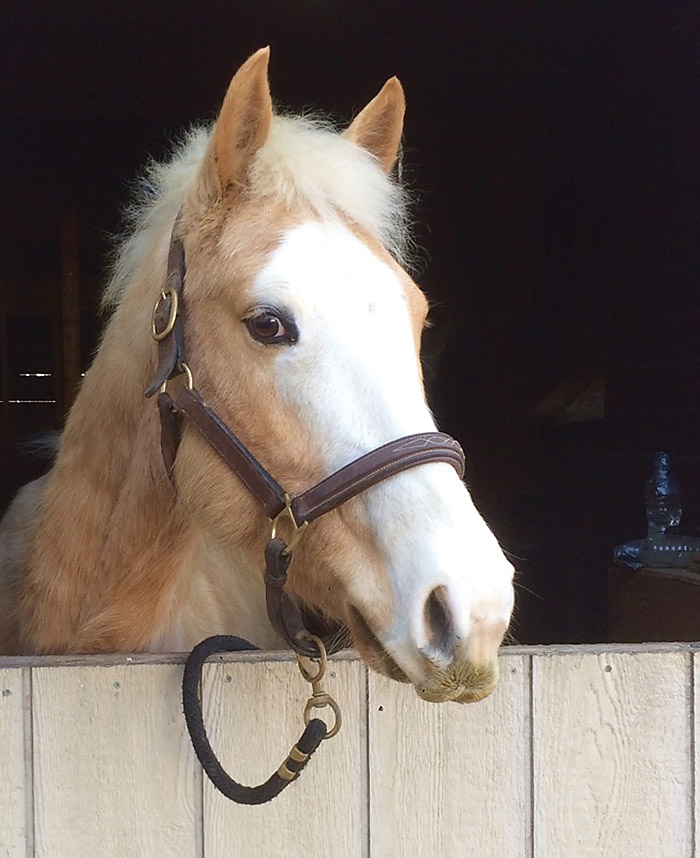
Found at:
(304, 161)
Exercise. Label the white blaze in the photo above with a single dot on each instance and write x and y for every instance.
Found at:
(353, 378)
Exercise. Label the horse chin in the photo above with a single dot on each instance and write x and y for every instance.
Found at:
(458, 683)
(465, 684)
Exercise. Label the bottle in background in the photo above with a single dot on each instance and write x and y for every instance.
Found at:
(663, 547)
(663, 498)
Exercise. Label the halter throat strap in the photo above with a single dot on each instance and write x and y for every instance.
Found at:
(342, 485)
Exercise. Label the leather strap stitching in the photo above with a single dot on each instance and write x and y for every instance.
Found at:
(367, 478)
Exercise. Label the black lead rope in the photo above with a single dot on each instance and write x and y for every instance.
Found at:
(314, 733)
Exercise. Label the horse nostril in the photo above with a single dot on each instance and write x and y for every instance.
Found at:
(438, 623)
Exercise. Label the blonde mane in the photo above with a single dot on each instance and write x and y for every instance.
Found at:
(304, 160)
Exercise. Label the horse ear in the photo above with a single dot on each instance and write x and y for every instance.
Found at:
(241, 127)
(378, 126)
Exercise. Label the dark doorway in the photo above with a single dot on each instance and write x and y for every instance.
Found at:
(553, 149)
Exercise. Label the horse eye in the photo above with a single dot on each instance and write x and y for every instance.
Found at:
(267, 327)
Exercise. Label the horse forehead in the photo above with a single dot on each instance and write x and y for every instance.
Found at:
(326, 263)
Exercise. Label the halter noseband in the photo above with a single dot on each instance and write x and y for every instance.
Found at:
(331, 492)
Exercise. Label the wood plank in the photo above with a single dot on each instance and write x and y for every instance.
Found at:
(253, 717)
(13, 800)
(155, 658)
(611, 745)
(112, 659)
(451, 780)
(695, 762)
(113, 769)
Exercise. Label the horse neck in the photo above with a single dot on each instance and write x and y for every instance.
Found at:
(109, 522)
(116, 564)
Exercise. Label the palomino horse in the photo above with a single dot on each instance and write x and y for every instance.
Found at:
(303, 331)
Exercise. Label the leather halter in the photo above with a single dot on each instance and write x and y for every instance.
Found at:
(334, 490)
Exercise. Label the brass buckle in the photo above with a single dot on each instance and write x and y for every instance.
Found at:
(320, 698)
(297, 529)
(172, 316)
(189, 381)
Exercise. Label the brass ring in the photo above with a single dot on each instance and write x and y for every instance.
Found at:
(326, 700)
(172, 316)
(323, 660)
(297, 529)
(189, 381)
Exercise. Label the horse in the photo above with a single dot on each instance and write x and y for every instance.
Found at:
(303, 330)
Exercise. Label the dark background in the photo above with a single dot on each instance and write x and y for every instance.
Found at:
(553, 150)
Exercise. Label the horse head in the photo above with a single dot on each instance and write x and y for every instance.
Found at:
(302, 329)
(304, 332)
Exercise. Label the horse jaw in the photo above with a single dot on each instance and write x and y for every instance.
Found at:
(434, 596)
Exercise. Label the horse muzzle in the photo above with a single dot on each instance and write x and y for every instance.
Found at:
(443, 667)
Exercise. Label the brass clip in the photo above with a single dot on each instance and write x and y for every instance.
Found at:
(319, 696)
(297, 529)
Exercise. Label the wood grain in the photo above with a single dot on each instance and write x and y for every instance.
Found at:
(253, 717)
(114, 659)
(608, 762)
(695, 761)
(113, 771)
(13, 821)
(451, 780)
(612, 762)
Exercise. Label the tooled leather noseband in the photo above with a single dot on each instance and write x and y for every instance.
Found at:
(362, 473)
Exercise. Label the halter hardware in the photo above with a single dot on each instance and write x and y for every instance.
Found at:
(319, 696)
(298, 530)
(183, 370)
(165, 294)
(284, 613)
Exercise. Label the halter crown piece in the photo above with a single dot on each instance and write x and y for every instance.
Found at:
(300, 511)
